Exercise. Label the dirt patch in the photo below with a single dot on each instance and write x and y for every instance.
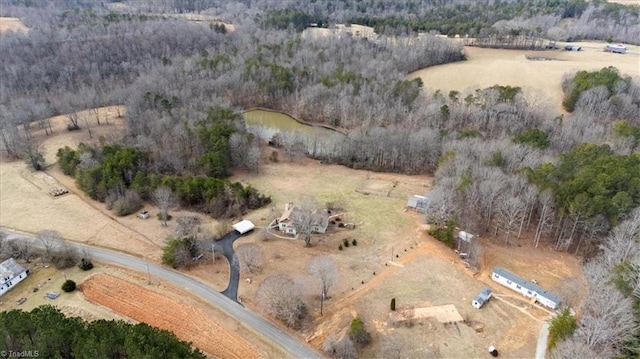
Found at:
(541, 80)
(9, 24)
(189, 323)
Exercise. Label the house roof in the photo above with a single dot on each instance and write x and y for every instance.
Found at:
(9, 269)
(287, 213)
(530, 286)
(244, 226)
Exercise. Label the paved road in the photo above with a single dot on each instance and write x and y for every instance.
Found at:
(226, 243)
(248, 318)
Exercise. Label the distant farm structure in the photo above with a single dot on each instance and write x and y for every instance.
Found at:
(418, 203)
(528, 289)
(615, 48)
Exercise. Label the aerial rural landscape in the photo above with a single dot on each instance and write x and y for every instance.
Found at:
(320, 179)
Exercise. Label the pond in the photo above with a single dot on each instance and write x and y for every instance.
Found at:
(265, 124)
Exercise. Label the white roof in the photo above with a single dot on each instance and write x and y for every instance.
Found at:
(244, 226)
(9, 269)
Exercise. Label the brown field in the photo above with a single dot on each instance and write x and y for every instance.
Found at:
(539, 79)
(167, 308)
(12, 24)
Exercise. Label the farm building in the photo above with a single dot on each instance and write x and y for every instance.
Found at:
(616, 48)
(525, 288)
(11, 273)
(286, 222)
(572, 48)
(244, 226)
(481, 298)
(418, 203)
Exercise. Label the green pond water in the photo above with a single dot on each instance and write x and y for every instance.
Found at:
(267, 123)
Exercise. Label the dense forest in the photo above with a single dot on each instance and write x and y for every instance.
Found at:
(46, 332)
(504, 164)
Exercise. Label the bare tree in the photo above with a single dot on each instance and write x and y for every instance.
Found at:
(324, 268)
(281, 296)
(391, 347)
(164, 199)
(510, 213)
(304, 218)
(251, 257)
(187, 226)
(342, 348)
(50, 241)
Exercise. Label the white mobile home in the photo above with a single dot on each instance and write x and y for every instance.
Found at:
(525, 288)
(616, 48)
(11, 273)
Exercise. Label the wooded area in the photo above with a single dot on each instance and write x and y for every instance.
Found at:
(48, 332)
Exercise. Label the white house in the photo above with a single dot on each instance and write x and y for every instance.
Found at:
(525, 288)
(286, 222)
(481, 298)
(11, 273)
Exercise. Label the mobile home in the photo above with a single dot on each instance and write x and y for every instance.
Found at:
(525, 288)
(11, 273)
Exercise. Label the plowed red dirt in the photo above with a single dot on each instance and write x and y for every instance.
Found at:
(189, 323)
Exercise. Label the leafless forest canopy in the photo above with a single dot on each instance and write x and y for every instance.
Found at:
(504, 164)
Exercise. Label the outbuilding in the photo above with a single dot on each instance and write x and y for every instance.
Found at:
(11, 273)
(616, 48)
(525, 288)
(481, 298)
(244, 226)
(418, 203)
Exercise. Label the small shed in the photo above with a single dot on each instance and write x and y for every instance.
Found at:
(418, 203)
(572, 48)
(481, 298)
(244, 226)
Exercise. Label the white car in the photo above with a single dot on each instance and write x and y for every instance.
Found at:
(143, 214)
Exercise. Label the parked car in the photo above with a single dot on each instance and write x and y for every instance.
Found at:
(143, 214)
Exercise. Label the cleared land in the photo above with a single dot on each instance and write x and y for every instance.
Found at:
(8, 24)
(176, 313)
(540, 79)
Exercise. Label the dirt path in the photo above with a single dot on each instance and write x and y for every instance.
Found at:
(189, 323)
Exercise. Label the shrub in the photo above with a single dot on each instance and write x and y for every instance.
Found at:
(127, 204)
(444, 233)
(85, 264)
(393, 304)
(358, 333)
(340, 247)
(346, 243)
(354, 242)
(562, 326)
(69, 286)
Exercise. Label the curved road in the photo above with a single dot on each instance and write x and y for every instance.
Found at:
(246, 317)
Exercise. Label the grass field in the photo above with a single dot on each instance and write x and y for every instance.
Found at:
(539, 79)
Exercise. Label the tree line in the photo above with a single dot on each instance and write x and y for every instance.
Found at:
(49, 333)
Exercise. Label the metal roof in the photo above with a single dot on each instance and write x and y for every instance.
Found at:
(530, 286)
(9, 269)
(243, 226)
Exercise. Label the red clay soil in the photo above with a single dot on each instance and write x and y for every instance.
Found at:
(185, 321)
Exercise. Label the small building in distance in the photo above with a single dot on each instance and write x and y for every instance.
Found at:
(418, 203)
(615, 48)
(11, 273)
(572, 48)
(528, 289)
(481, 298)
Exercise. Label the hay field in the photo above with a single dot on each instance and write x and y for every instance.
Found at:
(12, 24)
(539, 79)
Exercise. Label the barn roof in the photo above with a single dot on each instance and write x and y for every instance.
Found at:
(244, 226)
(530, 286)
(9, 269)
